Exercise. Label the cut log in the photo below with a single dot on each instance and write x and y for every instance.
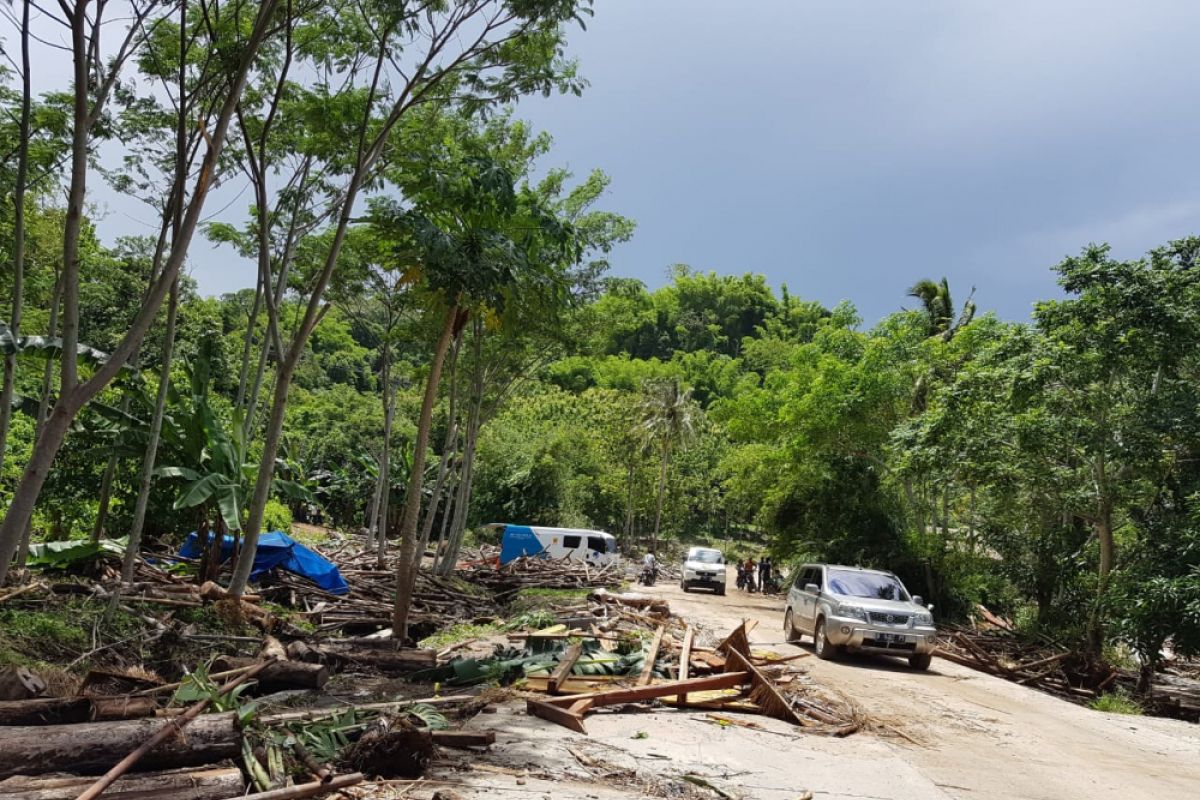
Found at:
(279, 676)
(91, 748)
(111, 708)
(18, 683)
(45, 711)
(381, 659)
(208, 783)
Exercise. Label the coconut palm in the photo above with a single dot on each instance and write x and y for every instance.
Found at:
(668, 421)
(939, 307)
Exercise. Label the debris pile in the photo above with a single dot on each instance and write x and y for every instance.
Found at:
(542, 573)
(1046, 664)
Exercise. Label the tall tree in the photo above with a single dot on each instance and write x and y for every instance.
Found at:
(474, 55)
(668, 422)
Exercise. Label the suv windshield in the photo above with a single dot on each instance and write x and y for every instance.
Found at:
(853, 583)
(705, 556)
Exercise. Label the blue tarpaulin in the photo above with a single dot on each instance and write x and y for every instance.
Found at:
(518, 541)
(276, 549)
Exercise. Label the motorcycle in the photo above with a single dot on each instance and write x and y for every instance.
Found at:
(772, 585)
(648, 576)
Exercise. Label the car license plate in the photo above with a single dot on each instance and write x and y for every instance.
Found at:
(894, 638)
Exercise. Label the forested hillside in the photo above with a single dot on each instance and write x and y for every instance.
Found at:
(432, 339)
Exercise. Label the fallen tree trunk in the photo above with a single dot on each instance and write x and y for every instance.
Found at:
(91, 748)
(71, 710)
(279, 675)
(46, 711)
(207, 783)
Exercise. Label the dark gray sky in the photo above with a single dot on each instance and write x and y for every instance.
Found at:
(850, 148)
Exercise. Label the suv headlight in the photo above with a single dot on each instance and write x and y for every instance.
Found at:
(853, 612)
(923, 618)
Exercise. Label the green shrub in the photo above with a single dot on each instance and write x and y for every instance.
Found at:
(277, 517)
(1118, 702)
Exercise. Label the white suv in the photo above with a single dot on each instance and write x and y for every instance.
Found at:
(703, 567)
(848, 608)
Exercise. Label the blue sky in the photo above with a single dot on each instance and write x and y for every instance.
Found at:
(851, 148)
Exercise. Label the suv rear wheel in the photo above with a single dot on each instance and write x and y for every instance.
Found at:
(826, 649)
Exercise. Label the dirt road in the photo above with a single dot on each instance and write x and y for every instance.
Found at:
(983, 737)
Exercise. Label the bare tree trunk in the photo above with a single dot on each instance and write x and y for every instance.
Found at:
(18, 288)
(372, 519)
(247, 346)
(385, 459)
(106, 482)
(151, 455)
(42, 412)
(412, 500)
(445, 526)
(462, 503)
(435, 499)
(662, 490)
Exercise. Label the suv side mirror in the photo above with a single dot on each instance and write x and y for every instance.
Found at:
(812, 588)
(916, 598)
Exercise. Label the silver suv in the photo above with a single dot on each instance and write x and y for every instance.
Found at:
(849, 608)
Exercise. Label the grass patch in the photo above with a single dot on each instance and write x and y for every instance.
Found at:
(56, 633)
(1118, 702)
(459, 632)
(539, 599)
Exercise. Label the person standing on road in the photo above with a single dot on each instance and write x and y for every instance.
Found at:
(764, 571)
(750, 570)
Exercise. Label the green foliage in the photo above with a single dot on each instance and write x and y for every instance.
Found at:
(1117, 702)
(277, 517)
(459, 632)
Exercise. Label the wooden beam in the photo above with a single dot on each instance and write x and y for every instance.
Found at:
(685, 656)
(563, 670)
(651, 657)
(613, 697)
(572, 720)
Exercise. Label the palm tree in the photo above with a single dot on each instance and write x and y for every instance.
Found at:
(668, 420)
(939, 307)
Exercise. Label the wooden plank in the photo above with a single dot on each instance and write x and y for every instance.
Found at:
(561, 716)
(612, 697)
(563, 670)
(651, 657)
(685, 656)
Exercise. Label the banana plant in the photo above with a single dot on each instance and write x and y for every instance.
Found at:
(213, 464)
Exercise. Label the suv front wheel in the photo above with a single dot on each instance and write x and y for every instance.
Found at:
(826, 649)
(789, 627)
(920, 661)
